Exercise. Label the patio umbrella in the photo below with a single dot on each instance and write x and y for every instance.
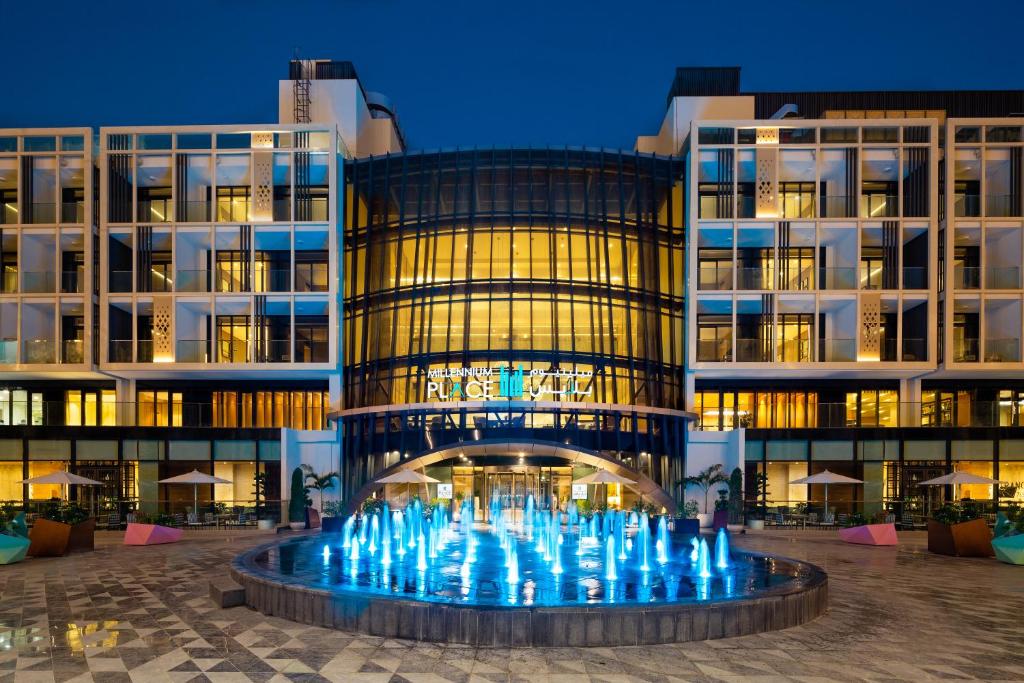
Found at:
(604, 477)
(957, 478)
(195, 477)
(827, 478)
(63, 478)
(408, 477)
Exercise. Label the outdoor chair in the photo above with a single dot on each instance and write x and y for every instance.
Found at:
(828, 519)
(210, 519)
(193, 520)
(130, 518)
(113, 521)
(241, 520)
(812, 519)
(179, 519)
(843, 518)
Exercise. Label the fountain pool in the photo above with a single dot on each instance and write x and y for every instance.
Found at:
(544, 580)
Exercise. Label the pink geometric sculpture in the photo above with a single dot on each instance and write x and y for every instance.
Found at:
(870, 534)
(150, 534)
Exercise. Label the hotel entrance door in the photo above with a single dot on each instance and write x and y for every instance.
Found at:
(511, 490)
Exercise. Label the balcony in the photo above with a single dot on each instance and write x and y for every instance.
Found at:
(915, 277)
(160, 278)
(39, 351)
(753, 351)
(72, 351)
(155, 210)
(9, 211)
(746, 206)
(839, 278)
(72, 281)
(966, 205)
(72, 212)
(914, 350)
(311, 351)
(192, 281)
(714, 350)
(965, 351)
(192, 351)
(195, 212)
(235, 210)
(120, 281)
(1001, 206)
(121, 351)
(276, 280)
(39, 282)
(966, 277)
(1002, 277)
(879, 206)
(233, 351)
(1002, 350)
(795, 351)
(835, 207)
(838, 350)
(144, 351)
(754, 278)
(316, 281)
(714, 277)
(279, 351)
(44, 212)
(8, 351)
(797, 281)
(282, 210)
(9, 281)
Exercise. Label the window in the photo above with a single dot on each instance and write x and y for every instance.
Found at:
(159, 409)
(232, 273)
(232, 339)
(233, 204)
(90, 408)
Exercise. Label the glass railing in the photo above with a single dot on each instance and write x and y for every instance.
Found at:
(753, 351)
(715, 278)
(838, 350)
(966, 277)
(840, 278)
(72, 281)
(39, 351)
(144, 351)
(965, 351)
(8, 351)
(303, 283)
(754, 278)
(308, 351)
(714, 350)
(914, 350)
(282, 210)
(192, 351)
(72, 212)
(120, 281)
(72, 351)
(1002, 277)
(121, 351)
(794, 351)
(155, 210)
(233, 352)
(878, 206)
(317, 210)
(1001, 206)
(915, 277)
(9, 281)
(746, 206)
(192, 281)
(836, 207)
(798, 281)
(276, 280)
(796, 207)
(1002, 350)
(44, 212)
(195, 212)
(9, 213)
(278, 351)
(966, 205)
(233, 210)
(39, 282)
(160, 279)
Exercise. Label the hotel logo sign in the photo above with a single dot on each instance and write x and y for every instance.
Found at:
(488, 384)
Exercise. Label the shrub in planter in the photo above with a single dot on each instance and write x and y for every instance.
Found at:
(957, 530)
(736, 496)
(332, 521)
(721, 518)
(299, 500)
(688, 523)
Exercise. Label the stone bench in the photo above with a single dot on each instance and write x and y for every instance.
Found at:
(226, 593)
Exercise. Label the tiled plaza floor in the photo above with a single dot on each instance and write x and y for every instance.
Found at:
(142, 614)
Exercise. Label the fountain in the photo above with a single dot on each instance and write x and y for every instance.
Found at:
(407, 560)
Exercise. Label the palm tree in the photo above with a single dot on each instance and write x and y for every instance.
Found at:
(320, 482)
(705, 480)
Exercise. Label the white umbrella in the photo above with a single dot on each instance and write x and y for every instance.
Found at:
(195, 477)
(827, 478)
(957, 478)
(604, 477)
(408, 477)
(63, 478)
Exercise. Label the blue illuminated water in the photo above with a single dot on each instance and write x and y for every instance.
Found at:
(541, 560)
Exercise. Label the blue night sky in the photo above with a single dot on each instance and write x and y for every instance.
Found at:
(483, 73)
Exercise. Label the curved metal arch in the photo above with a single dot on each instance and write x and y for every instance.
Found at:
(502, 447)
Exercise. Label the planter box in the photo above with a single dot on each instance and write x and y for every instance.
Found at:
(53, 539)
(705, 518)
(967, 539)
(83, 536)
(1008, 549)
(265, 524)
(755, 524)
(332, 525)
(720, 520)
(150, 534)
(312, 518)
(12, 548)
(687, 527)
(870, 534)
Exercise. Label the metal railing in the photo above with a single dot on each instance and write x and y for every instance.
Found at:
(114, 515)
(151, 414)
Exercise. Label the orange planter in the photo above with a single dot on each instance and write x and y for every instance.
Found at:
(53, 539)
(966, 539)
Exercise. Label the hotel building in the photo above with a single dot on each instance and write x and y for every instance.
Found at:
(780, 282)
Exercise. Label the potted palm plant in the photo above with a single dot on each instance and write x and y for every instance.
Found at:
(705, 480)
(320, 482)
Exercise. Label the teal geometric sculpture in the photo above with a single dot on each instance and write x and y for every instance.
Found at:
(12, 549)
(1003, 524)
(1009, 549)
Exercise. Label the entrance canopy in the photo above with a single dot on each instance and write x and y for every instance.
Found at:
(479, 451)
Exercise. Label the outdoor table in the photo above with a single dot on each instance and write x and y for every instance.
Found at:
(801, 519)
